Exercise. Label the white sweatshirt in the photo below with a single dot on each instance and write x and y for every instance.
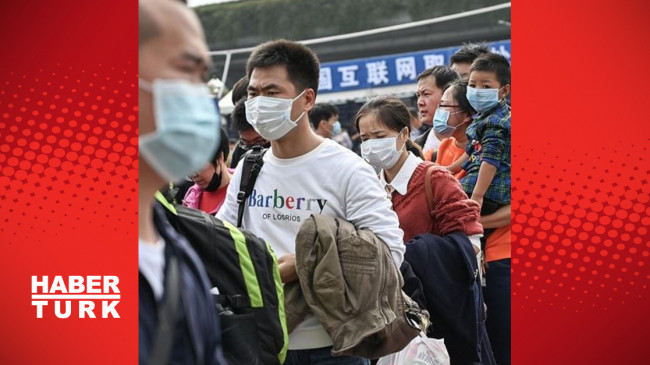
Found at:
(329, 180)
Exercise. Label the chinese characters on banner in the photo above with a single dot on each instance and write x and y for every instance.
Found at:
(388, 70)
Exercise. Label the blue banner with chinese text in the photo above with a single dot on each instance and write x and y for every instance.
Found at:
(388, 70)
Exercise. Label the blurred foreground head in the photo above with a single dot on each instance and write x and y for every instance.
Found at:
(178, 120)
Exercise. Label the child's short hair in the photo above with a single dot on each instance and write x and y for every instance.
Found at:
(493, 62)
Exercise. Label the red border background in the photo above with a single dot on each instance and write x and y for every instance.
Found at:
(68, 173)
(68, 177)
(580, 190)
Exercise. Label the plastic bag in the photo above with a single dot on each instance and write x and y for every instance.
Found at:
(420, 351)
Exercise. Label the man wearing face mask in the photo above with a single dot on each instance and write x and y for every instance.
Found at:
(325, 119)
(178, 133)
(303, 174)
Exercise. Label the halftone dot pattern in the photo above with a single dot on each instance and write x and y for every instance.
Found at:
(68, 150)
(68, 175)
(580, 228)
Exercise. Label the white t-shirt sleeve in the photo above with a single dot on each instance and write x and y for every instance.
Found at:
(368, 207)
(151, 263)
(229, 208)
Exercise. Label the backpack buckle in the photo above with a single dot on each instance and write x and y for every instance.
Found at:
(241, 196)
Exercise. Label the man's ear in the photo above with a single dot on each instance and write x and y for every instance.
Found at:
(310, 99)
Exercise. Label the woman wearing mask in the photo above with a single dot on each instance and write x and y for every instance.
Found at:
(451, 122)
(383, 123)
(211, 183)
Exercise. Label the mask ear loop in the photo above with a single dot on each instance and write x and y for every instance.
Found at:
(299, 95)
(145, 85)
(405, 138)
(303, 112)
(505, 95)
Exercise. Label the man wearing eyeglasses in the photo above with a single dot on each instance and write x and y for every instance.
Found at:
(248, 137)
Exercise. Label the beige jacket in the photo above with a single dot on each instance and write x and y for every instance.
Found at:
(348, 279)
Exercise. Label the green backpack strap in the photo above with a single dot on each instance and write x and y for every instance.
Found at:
(161, 199)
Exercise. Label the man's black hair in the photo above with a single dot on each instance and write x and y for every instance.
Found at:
(469, 52)
(322, 112)
(443, 75)
(302, 64)
(493, 62)
(239, 89)
(238, 117)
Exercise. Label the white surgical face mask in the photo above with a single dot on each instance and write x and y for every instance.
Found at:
(381, 153)
(187, 128)
(271, 117)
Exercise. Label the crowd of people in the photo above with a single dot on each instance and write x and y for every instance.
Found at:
(435, 200)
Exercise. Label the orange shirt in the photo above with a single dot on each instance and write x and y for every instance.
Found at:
(498, 244)
(448, 152)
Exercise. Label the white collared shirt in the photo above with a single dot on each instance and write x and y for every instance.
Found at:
(401, 181)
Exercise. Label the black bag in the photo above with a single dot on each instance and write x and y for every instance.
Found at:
(244, 269)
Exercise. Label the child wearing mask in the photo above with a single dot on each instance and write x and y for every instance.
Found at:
(211, 183)
(383, 123)
(487, 155)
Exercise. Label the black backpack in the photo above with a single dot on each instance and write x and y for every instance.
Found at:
(244, 269)
(253, 162)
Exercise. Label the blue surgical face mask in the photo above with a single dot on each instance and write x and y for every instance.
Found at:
(187, 128)
(336, 128)
(441, 123)
(482, 100)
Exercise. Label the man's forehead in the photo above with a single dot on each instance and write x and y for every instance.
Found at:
(181, 26)
(262, 77)
(427, 82)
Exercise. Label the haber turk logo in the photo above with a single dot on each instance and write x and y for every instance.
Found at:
(82, 296)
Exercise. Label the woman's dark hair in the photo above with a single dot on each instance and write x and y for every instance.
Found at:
(223, 148)
(460, 94)
(393, 113)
